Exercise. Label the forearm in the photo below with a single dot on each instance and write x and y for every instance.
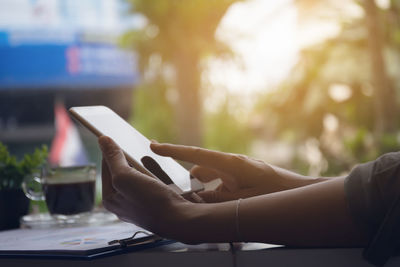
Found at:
(293, 180)
(314, 215)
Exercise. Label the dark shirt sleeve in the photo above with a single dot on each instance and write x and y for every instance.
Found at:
(373, 195)
(371, 188)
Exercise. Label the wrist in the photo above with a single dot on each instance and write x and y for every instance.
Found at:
(291, 180)
(199, 223)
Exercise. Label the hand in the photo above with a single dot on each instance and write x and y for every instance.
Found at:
(137, 198)
(241, 176)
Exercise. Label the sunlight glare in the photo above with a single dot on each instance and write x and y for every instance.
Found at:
(262, 35)
(340, 92)
(384, 4)
(331, 122)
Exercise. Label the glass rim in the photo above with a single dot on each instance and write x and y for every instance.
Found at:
(74, 167)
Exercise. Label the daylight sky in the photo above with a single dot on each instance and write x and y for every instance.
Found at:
(266, 37)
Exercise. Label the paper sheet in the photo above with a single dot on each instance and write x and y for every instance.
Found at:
(65, 239)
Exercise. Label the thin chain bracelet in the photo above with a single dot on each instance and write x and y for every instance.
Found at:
(237, 220)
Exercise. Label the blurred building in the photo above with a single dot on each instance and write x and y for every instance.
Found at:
(63, 50)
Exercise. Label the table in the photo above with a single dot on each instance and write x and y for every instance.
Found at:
(248, 254)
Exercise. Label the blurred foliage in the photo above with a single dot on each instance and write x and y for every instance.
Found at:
(153, 114)
(177, 26)
(361, 63)
(225, 132)
(177, 37)
(306, 100)
(13, 172)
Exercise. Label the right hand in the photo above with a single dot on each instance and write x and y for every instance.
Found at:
(140, 199)
(241, 176)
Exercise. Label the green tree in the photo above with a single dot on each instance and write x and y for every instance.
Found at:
(153, 114)
(179, 34)
(360, 57)
(385, 102)
(225, 132)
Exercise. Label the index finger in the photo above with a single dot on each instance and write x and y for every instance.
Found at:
(106, 182)
(209, 158)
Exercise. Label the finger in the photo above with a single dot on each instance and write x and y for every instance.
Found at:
(223, 188)
(118, 205)
(106, 180)
(113, 202)
(133, 184)
(204, 174)
(113, 155)
(227, 162)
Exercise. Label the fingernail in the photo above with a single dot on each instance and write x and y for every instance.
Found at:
(153, 141)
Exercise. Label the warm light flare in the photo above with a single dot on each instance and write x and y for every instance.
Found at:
(340, 92)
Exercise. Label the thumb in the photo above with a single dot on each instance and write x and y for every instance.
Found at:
(113, 155)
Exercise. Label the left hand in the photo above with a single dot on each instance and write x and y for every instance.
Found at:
(137, 198)
(241, 176)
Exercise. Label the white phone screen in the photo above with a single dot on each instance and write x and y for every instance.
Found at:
(133, 143)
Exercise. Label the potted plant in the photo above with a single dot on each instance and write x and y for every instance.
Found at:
(13, 203)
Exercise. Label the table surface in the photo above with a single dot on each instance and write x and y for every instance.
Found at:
(247, 254)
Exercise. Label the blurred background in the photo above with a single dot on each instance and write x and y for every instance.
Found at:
(308, 85)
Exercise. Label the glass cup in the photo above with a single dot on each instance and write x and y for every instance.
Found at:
(66, 190)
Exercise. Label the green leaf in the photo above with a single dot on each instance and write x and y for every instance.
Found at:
(12, 171)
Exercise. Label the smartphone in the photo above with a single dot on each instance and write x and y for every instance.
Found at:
(101, 120)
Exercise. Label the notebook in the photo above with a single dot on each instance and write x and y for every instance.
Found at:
(78, 242)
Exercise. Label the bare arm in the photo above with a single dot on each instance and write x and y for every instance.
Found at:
(314, 215)
(298, 180)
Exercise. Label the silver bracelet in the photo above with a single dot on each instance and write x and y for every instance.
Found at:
(237, 220)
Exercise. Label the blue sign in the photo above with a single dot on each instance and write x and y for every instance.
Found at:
(60, 60)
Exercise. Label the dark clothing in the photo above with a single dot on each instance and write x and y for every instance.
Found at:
(372, 190)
